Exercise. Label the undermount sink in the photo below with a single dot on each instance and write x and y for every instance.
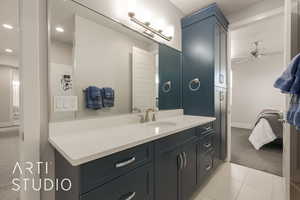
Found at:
(161, 124)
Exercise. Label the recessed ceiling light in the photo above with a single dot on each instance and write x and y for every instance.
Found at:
(59, 29)
(7, 26)
(8, 50)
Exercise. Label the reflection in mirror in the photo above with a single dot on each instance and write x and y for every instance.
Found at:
(9, 97)
(98, 67)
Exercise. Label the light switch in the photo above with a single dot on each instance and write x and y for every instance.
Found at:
(65, 103)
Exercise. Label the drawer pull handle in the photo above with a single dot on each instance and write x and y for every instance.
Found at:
(125, 163)
(208, 128)
(208, 167)
(131, 196)
(208, 145)
(185, 160)
(180, 161)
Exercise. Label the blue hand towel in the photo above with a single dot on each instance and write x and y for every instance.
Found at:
(108, 97)
(289, 81)
(293, 114)
(93, 98)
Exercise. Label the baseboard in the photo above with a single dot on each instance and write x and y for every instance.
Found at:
(241, 125)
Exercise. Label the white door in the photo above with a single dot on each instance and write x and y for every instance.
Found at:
(143, 79)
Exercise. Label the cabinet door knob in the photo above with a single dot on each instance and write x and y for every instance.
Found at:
(194, 84)
(167, 86)
(125, 163)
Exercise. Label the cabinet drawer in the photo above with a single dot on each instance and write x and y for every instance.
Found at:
(206, 143)
(204, 129)
(136, 185)
(100, 171)
(205, 165)
(175, 140)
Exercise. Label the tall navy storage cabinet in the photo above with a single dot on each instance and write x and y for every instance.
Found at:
(204, 47)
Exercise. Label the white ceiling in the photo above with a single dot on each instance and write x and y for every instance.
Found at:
(269, 31)
(227, 6)
(9, 15)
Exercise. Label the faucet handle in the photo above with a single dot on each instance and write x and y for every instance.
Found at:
(136, 110)
(153, 117)
(142, 118)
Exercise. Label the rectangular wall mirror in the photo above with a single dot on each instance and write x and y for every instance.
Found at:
(99, 67)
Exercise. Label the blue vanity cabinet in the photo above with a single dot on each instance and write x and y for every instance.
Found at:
(137, 184)
(124, 175)
(204, 47)
(172, 167)
(176, 166)
(169, 60)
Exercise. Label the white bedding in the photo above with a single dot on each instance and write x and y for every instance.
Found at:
(262, 134)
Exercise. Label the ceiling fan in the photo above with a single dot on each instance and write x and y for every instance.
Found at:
(256, 53)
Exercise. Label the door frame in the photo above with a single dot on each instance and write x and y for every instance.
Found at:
(232, 27)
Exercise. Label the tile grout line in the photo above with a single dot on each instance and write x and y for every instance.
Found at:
(243, 184)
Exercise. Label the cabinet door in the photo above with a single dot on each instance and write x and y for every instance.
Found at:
(217, 124)
(223, 57)
(169, 78)
(205, 165)
(220, 56)
(189, 172)
(223, 103)
(167, 174)
(198, 68)
(217, 52)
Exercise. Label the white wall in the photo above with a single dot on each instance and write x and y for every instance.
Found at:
(61, 53)
(5, 94)
(253, 89)
(157, 9)
(9, 60)
(61, 62)
(103, 59)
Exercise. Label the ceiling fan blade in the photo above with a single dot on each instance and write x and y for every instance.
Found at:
(240, 60)
(272, 53)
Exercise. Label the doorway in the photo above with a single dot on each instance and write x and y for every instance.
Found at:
(256, 107)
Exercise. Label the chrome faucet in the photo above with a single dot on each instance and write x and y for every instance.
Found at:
(147, 119)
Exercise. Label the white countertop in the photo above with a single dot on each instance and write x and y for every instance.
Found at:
(82, 146)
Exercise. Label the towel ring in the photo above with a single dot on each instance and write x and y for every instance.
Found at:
(167, 86)
(194, 85)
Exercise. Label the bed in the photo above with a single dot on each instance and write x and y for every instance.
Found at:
(268, 128)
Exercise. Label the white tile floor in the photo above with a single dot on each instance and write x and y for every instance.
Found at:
(235, 182)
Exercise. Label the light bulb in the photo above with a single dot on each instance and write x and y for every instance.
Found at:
(8, 50)
(169, 31)
(60, 29)
(145, 16)
(159, 24)
(131, 6)
(7, 26)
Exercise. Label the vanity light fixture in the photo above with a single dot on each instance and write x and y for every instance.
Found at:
(7, 26)
(149, 28)
(9, 50)
(60, 29)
